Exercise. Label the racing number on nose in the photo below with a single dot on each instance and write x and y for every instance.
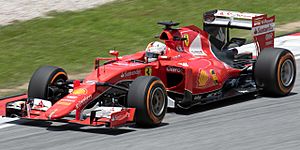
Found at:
(148, 71)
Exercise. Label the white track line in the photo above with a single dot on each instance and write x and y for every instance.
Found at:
(290, 42)
(6, 125)
(7, 119)
(4, 122)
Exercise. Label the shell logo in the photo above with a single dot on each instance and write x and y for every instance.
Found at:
(203, 78)
(79, 91)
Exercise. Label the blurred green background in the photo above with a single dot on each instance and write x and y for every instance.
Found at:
(72, 40)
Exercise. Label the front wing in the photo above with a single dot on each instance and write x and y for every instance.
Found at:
(102, 116)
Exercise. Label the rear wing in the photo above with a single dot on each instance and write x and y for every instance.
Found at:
(232, 19)
(261, 26)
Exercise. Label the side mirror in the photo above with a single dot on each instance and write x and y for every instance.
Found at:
(164, 58)
(114, 53)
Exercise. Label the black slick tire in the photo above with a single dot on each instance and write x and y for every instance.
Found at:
(42, 78)
(148, 95)
(270, 71)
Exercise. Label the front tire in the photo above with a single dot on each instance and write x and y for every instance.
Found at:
(275, 71)
(148, 95)
(43, 83)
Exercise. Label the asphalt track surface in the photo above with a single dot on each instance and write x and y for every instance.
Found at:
(235, 124)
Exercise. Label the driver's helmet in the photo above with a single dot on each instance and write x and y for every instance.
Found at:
(154, 49)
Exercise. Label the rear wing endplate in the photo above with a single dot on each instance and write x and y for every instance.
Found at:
(263, 31)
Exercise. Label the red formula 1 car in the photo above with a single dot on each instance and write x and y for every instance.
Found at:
(195, 67)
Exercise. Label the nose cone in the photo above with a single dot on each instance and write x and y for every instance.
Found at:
(80, 97)
(59, 110)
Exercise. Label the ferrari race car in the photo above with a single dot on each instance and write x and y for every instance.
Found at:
(194, 67)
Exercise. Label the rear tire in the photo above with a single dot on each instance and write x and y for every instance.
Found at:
(42, 83)
(275, 71)
(148, 95)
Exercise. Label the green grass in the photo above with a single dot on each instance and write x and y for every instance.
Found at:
(73, 39)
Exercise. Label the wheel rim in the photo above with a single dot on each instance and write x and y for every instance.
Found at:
(55, 92)
(158, 101)
(287, 73)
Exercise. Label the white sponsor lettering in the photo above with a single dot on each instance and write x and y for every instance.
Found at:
(183, 64)
(259, 30)
(84, 101)
(235, 14)
(262, 22)
(174, 69)
(198, 97)
(71, 97)
(130, 73)
(67, 100)
(91, 82)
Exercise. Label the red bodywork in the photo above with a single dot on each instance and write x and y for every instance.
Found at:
(188, 65)
(191, 61)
